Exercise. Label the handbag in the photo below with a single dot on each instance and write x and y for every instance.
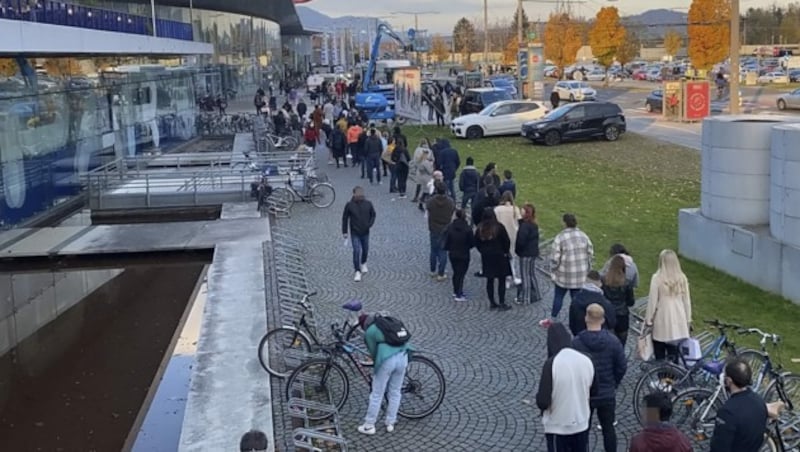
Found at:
(644, 344)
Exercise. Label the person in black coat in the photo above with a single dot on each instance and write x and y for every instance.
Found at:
(338, 144)
(527, 249)
(554, 99)
(486, 197)
(358, 218)
(591, 293)
(490, 170)
(492, 241)
(458, 240)
(401, 160)
(619, 292)
(449, 161)
(301, 109)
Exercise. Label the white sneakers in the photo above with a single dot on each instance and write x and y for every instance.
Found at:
(369, 429)
(364, 268)
(389, 428)
(360, 273)
(357, 277)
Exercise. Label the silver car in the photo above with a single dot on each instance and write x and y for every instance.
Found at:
(789, 100)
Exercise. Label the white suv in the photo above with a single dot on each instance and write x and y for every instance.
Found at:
(575, 91)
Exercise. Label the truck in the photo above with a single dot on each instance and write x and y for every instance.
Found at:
(376, 98)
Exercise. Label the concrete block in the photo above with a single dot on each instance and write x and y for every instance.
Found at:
(94, 279)
(37, 313)
(6, 296)
(69, 290)
(790, 266)
(27, 286)
(8, 334)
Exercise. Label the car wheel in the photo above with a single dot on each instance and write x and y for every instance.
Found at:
(572, 98)
(781, 104)
(552, 138)
(474, 132)
(648, 106)
(611, 133)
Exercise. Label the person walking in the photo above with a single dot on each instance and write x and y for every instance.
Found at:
(619, 292)
(458, 241)
(591, 293)
(468, 182)
(358, 218)
(631, 270)
(389, 370)
(440, 213)
(338, 145)
(372, 154)
(610, 366)
(740, 423)
(571, 260)
(422, 167)
(658, 434)
(353, 132)
(527, 250)
(450, 162)
(493, 243)
(400, 161)
(564, 391)
(509, 215)
(669, 306)
(259, 102)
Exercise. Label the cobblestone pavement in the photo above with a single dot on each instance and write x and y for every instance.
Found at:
(491, 360)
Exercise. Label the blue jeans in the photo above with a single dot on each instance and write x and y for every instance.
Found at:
(360, 250)
(392, 177)
(373, 164)
(450, 189)
(467, 196)
(438, 254)
(390, 374)
(558, 298)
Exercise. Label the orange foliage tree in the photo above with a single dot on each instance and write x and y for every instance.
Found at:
(672, 42)
(562, 38)
(439, 49)
(607, 35)
(8, 67)
(709, 32)
(510, 51)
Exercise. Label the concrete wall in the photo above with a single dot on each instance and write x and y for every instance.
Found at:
(29, 37)
(28, 301)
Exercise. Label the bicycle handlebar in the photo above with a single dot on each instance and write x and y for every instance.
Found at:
(716, 323)
(304, 301)
(764, 336)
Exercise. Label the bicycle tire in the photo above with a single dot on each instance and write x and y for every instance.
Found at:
(271, 344)
(687, 410)
(660, 378)
(284, 195)
(291, 142)
(755, 359)
(413, 387)
(788, 421)
(319, 369)
(770, 444)
(322, 195)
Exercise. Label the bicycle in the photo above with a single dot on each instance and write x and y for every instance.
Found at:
(320, 194)
(325, 380)
(288, 142)
(671, 378)
(298, 340)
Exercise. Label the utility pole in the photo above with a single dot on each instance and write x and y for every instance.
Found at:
(735, 48)
(416, 27)
(485, 34)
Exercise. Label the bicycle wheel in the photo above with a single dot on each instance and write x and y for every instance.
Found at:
(273, 348)
(290, 142)
(322, 195)
(770, 445)
(423, 388)
(694, 412)
(322, 381)
(284, 196)
(755, 360)
(788, 421)
(661, 378)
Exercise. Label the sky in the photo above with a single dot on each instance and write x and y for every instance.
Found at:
(440, 17)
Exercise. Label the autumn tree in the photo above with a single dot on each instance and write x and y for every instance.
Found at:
(8, 67)
(607, 35)
(62, 67)
(439, 49)
(709, 32)
(672, 42)
(465, 38)
(629, 50)
(511, 51)
(562, 40)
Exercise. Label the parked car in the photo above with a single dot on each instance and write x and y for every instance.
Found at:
(500, 118)
(597, 75)
(654, 75)
(789, 100)
(575, 91)
(552, 72)
(773, 77)
(476, 99)
(794, 75)
(577, 121)
(502, 83)
(654, 101)
(639, 74)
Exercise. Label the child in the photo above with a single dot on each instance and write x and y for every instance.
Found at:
(508, 184)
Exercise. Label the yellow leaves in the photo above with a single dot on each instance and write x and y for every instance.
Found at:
(510, 51)
(709, 32)
(672, 42)
(439, 49)
(607, 35)
(562, 37)
(8, 67)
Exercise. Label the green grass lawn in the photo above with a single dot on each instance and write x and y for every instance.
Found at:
(629, 191)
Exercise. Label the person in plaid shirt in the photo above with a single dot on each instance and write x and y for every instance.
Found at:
(570, 262)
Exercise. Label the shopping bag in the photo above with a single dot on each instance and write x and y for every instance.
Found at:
(644, 344)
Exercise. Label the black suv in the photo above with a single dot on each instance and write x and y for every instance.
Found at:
(576, 121)
(476, 99)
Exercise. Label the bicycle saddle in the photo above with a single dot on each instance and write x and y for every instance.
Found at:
(353, 305)
(714, 367)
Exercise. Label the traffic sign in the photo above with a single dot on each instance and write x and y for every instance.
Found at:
(531, 35)
(412, 33)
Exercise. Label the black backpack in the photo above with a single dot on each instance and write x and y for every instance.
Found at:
(394, 332)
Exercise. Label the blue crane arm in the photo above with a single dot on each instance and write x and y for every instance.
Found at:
(383, 29)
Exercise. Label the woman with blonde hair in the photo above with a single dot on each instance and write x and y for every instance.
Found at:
(669, 307)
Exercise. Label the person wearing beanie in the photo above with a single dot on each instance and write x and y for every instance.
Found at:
(389, 371)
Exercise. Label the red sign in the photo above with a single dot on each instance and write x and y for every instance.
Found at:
(698, 100)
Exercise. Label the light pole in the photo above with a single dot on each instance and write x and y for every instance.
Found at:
(735, 49)
(153, 14)
(485, 33)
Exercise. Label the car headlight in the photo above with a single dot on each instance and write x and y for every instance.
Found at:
(540, 126)
(458, 124)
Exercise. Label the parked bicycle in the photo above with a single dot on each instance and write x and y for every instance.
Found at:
(325, 380)
(285, 142)
(314, 190)
(280, 346)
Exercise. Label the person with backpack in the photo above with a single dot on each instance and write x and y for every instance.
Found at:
(387, 341)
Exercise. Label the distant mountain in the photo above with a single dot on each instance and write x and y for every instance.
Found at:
(316, 21)
(653, 24)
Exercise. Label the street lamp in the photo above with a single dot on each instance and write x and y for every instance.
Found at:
(416, 26)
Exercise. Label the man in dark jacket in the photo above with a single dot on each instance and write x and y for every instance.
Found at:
(301, 109)
(399, 138)
(659, 435)
(373, 148)
(458, 240)
(361, 152)
(468, 183)
(440, 212)
(359, 215)
(508, 184)
(449, 164)
(590, 293)
(486, 197)
(741, 420)
(609, 365)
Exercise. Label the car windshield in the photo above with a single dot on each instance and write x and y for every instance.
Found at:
(493, 96)
(579, 85)
(558, 112)
(501, 82)
(488, 110)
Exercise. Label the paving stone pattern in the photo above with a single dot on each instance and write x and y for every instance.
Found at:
(491, 360)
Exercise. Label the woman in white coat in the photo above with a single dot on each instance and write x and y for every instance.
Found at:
(509, 215)
(669, 307)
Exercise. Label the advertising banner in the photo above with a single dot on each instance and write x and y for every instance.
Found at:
(536, 71)
(698, 100)
(672, 105)
(408, 93)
